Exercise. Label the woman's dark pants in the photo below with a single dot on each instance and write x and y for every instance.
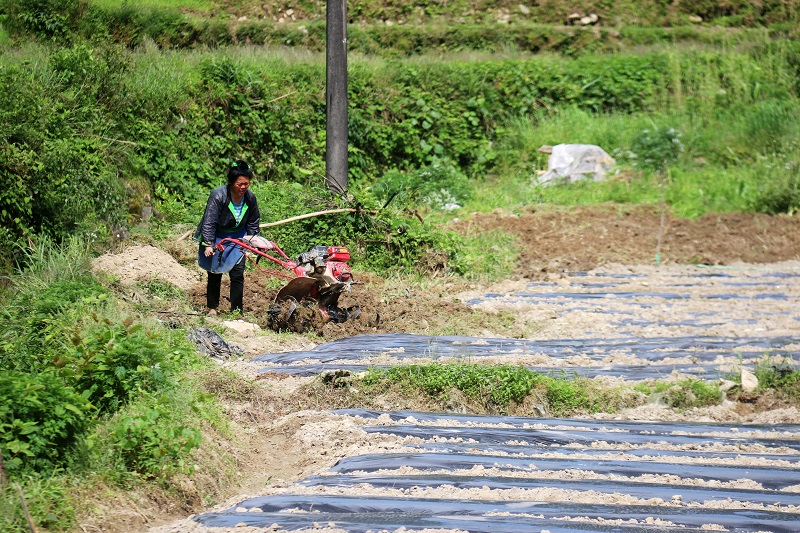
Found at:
(237, 287)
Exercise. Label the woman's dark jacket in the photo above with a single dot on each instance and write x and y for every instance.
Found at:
(219, 222)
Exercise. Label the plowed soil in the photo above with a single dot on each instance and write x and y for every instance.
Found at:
(583, 238)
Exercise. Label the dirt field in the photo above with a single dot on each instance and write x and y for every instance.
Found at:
(281, 427)
(584, 238)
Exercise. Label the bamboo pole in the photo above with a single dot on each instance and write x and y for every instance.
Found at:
(308, 215)
(298, 217)
(292, 219)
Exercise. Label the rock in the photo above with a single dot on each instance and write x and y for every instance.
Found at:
(525, 10)
(749, 381)
(695, 19)
(576, 162)
(725, 385)
(586, 21)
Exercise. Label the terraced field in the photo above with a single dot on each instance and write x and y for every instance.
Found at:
(645, 469)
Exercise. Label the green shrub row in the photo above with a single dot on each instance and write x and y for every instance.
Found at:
(398, 28)
(502, 388)
(496, 388)
(132, 27)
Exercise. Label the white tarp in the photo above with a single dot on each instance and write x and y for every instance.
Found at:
(574, 162)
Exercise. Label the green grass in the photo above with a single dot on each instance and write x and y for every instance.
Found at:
(783, 376)
(738, 160)
(203, 6)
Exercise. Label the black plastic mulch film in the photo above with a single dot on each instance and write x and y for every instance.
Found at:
(528, 453)
(486, 445)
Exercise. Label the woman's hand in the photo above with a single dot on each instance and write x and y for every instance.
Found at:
(209, 251)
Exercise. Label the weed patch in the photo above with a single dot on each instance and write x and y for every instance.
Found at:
(682, 394)
(500, 389)
(781, 376)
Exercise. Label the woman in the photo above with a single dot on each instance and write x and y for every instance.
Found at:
(231, 211)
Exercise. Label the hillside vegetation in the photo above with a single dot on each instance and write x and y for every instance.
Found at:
(116, 118)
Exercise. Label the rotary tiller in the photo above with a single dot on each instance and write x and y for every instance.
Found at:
(320, 275)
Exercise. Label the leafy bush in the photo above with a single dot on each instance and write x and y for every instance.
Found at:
(129, 24)
(778, 186)
(34, 329)
(147, 442)
(112, 362)
(50, 19)
(57, 357)
(437, 185)
(656, 147)
(41, 419)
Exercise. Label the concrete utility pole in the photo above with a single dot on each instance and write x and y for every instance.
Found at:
(336, 95)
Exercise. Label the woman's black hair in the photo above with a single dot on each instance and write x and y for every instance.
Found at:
(239, 168)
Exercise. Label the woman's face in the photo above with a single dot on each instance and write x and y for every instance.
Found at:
(241, 185)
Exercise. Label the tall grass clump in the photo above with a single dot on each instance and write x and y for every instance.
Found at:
(783, 376)
(682, 394)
